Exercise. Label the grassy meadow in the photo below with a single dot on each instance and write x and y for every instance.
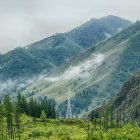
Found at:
(74, 129)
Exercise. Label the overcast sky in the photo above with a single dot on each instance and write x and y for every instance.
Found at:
(25, 21)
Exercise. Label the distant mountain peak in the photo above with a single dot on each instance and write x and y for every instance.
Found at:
(113, 17)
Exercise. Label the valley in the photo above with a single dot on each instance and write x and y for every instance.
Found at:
(91, 72)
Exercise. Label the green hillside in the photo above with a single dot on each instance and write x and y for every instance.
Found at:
(20, 63)
(93, 76)
(47, 54)
(127, 100)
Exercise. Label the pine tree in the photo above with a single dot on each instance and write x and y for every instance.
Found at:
(31, 107)
(1, 124)
(9, 110)
(53, 112)
(43, 116)
(17, 119)
(19, 102)
(100, 118)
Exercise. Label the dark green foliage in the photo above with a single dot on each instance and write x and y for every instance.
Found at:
(8, 105)
(8, 113)
(34, 108)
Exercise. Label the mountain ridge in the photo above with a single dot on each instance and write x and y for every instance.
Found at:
(57, 49)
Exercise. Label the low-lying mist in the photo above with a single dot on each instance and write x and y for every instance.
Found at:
(81, 70)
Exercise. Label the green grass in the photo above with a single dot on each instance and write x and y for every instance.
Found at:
(61, 129)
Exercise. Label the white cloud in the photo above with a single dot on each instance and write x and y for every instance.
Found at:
(23, 22)
(81, 70)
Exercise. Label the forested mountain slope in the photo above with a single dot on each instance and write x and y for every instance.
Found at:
(47, 54)
(127, 102)
(93, 76)
(128, 99)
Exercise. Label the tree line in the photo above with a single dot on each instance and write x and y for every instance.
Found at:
(34, 108)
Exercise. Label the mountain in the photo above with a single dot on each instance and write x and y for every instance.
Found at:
(127, 101)
(49, 53)
(93, 76)
(96, 30)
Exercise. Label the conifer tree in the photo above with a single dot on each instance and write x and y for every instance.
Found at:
(9, 109)
(43, 116)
